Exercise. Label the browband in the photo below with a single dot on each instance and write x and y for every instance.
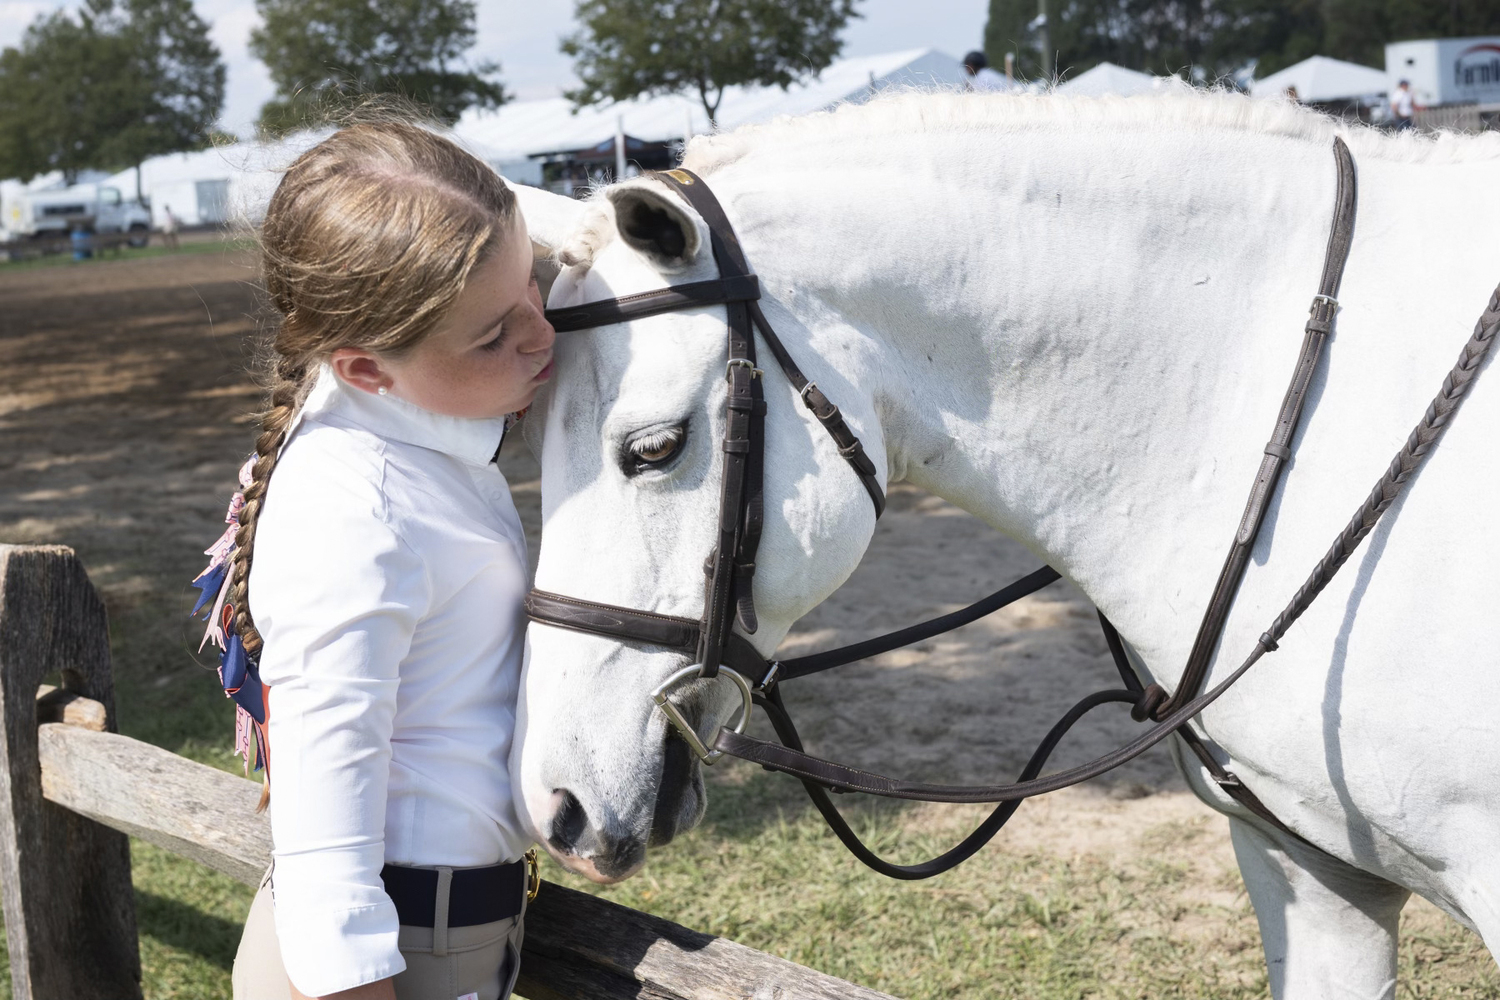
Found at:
(714, 292)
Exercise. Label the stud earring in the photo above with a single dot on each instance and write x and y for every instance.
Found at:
(382, 390)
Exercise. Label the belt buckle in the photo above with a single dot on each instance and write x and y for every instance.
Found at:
(533, 875)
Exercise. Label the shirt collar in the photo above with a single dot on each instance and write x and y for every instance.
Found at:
(473, 439)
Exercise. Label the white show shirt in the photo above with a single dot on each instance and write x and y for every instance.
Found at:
(387, 577)
(987, 79)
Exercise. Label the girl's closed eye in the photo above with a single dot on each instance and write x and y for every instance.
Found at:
(496, 342)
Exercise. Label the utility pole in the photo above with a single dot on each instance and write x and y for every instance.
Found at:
(1044, 38)
(619, 148)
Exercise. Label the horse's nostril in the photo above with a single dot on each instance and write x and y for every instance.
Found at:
(568, 822)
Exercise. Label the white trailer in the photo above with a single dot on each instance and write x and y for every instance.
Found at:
(94, 208)
(1447, 71)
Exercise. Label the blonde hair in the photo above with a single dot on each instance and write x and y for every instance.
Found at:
(366, 243)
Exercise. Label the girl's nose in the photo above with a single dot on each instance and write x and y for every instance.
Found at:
(539, 333)
(545, 334)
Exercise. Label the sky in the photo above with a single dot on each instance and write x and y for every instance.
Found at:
(523, 36)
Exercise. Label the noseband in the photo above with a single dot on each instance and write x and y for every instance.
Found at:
(715, 647)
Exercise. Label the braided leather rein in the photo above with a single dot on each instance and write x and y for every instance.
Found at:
(729, 570)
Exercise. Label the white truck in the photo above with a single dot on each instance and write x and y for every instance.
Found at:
(93, 208)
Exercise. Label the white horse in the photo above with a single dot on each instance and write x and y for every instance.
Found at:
(1076, 320)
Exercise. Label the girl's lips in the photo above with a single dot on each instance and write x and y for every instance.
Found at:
(544, 374)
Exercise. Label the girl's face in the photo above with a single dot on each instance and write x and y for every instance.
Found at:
(488, 357)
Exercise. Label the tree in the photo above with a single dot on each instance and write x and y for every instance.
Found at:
(1008, 31)
(108, 88)
(321, 53)
(175, 81)
(627, 48)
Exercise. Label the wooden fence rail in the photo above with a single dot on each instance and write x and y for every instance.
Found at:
(71, 788)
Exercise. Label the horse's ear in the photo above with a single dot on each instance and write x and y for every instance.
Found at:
(655, 223)
(551, 219)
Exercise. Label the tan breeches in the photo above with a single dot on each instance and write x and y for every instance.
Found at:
(482, 959)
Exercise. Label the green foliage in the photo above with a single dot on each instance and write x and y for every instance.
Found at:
(176, 81)
(1219, 37)
(108, 87)
(323, 54)
(1006, 31)
(631, 47)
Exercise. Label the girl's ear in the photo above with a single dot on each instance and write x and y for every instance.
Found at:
(361, 369)
(655, 223)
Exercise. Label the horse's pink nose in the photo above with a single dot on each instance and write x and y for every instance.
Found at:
(586, 848)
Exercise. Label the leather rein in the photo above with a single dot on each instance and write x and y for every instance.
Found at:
(716, 648)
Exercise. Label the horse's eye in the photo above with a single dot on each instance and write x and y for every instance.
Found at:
(655, 448)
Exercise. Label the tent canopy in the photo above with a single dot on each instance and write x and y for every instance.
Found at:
(1321, 79)
(524, 128)
(1107, 78)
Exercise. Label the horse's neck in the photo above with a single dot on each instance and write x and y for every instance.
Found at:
(1079, 336)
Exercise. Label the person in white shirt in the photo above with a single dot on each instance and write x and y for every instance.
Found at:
(384, 564)
(1403, 106)
(979, 76)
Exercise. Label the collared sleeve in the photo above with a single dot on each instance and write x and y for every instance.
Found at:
(337, 595)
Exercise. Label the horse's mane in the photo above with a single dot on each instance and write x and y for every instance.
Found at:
(926, 111)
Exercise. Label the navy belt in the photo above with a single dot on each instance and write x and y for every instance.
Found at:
(475, 895)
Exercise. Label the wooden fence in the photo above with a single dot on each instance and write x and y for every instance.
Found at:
(72, 788)
(40, 246)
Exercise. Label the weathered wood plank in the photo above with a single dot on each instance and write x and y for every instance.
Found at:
(570, 928)
(55, 704)
(577, 947)
(188, 808)
(69, 904)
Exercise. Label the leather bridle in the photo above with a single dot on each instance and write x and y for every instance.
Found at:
(715, 647)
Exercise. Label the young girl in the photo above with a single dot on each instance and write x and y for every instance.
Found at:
(379, 571)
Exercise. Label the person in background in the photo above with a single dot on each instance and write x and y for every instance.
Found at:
(981, 77)
(169, 226)
(1403, 107)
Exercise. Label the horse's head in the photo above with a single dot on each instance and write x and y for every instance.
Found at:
(629, 436)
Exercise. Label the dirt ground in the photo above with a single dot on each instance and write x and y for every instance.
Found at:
(125, 405)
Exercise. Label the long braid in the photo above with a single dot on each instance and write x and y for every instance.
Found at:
(286, 392)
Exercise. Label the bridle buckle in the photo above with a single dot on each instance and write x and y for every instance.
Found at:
(742, 363)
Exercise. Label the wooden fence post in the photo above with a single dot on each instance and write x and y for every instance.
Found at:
(69, 903)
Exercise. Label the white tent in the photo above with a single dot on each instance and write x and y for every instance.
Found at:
(511, 134)
(224, 184)
(1321, 79)
(1107, 78)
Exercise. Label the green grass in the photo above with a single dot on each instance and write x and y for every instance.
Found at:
(1011, 924)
